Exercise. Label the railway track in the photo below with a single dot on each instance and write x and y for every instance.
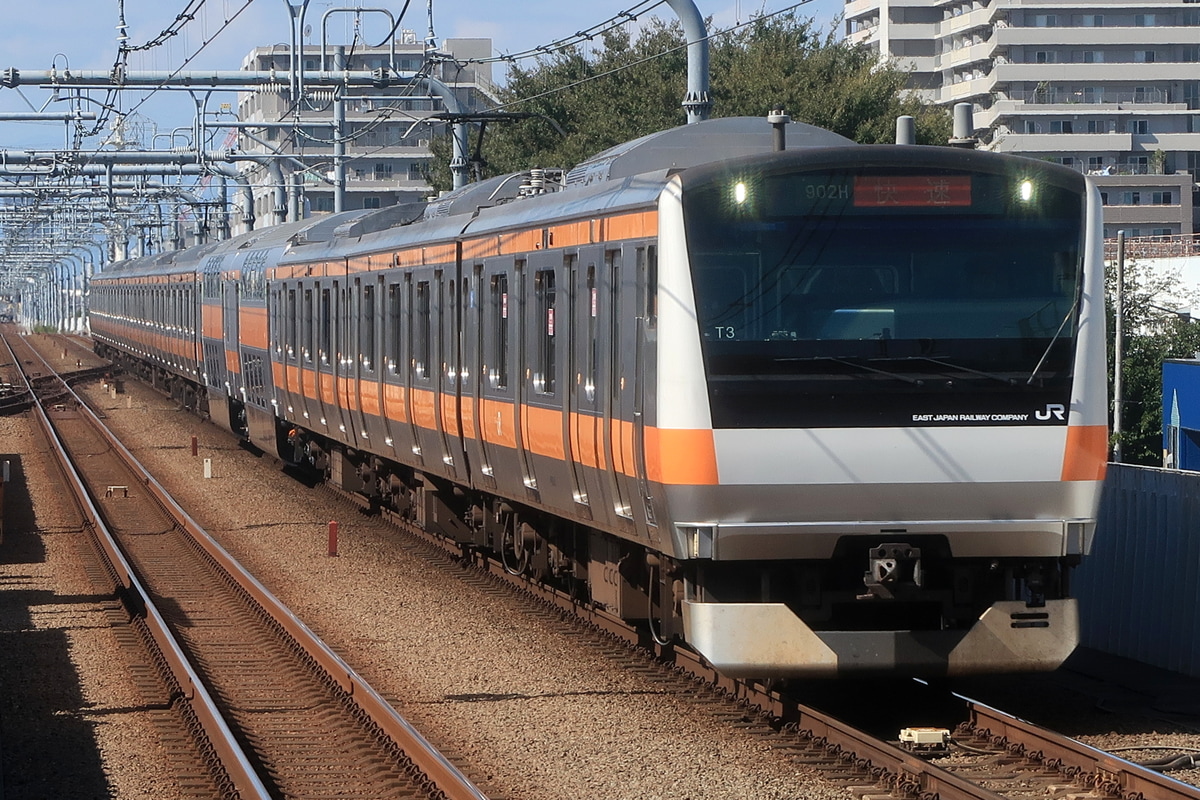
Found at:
(1008, 758)
(273, 711)
(1005, 757)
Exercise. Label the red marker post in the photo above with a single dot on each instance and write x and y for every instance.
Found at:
(333, 536)
(195, 447)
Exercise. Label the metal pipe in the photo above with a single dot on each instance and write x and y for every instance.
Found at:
(696, 102)
(192, 79)
(46, 116)
(779, 121)
(339, 138)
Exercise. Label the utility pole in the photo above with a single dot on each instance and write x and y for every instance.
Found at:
(1118, 348)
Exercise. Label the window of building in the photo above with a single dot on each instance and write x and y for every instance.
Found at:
(1045, 57)
(1144, 20)
(383, 171)
(1061, 126)
(1030, 126)
(1045, 20)
(1093, 94)
(1093, 20)
(1137, 165)
(1143, 56)
(416, 171)
(371, 202)
(323, 203)
(1095, 163)
(1137, 126)
(1087, 56)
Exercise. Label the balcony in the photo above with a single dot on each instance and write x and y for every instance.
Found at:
(978, 18)
(1088, 37)
(1095, 73)
(1065, 143)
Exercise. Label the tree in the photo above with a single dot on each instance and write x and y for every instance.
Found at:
(1152, 334)
(626, 88)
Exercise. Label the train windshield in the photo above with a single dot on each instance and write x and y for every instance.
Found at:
(885, 295)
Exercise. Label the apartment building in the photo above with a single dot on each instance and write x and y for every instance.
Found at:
(387, 129)
(1107, 87)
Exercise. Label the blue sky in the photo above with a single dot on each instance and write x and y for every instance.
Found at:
(81, 34)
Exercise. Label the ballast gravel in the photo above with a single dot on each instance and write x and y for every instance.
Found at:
(496, 686)
(72, 724)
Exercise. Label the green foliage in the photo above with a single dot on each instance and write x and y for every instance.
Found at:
(624, 88)
(1151, 335)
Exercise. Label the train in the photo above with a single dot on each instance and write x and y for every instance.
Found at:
(822, 410)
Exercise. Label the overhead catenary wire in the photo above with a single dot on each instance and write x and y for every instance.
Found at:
(641, 61)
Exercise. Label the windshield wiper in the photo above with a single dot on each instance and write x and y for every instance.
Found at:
(1053, 339)
(858, 365)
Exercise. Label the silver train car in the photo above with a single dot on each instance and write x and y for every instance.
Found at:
(834, 410)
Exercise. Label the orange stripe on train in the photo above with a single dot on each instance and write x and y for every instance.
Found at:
(1086, 455)
(683, 457)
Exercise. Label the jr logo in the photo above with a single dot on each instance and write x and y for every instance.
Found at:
(1053, 410)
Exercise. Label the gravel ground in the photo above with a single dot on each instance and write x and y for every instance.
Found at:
(533, 715)
(71, 723)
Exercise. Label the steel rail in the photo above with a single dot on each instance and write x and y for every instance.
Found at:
(1105, 772)
(444, 775)
(234, 760)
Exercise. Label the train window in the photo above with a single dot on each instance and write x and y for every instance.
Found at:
(306, 325)
(647, 271)
(499, 371)
(325, 326)
(421, 334)
(593, 310)
(289, 323)
(366, 321)
(544, 291)
(444, 308)
(391, 345)
(212, 278)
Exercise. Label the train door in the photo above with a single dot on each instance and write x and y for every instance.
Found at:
(232, 347)
(645, 335)
(416, 338)
(477, 306)
(392, 369)
(311, 406)
(586, 451)
(364, 385)
(520, 385)
(449, 375)
(325, 356)
(617, 389)
(344, 368)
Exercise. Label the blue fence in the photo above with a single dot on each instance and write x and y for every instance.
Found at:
(1139, 591)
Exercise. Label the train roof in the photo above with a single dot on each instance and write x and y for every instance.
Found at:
(703, 142)
(626, 176)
